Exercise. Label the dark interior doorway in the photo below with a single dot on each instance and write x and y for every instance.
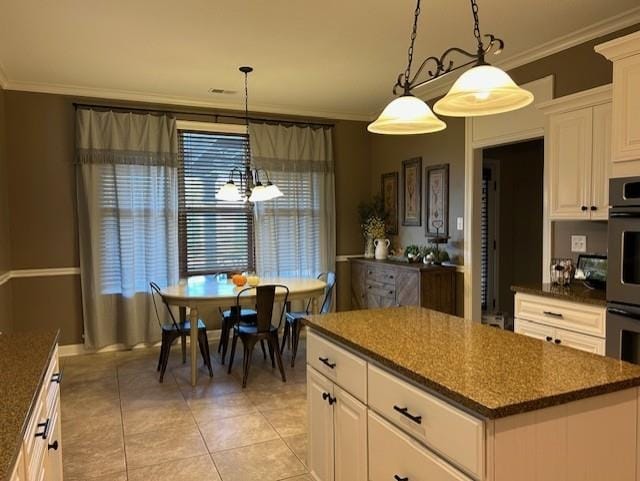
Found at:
(511, 225)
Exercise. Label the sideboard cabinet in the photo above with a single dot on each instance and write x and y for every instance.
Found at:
(387, 284)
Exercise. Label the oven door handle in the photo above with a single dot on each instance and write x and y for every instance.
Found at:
(625, 214)
(622, 312)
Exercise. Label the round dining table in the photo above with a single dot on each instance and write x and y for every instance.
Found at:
(198, 292)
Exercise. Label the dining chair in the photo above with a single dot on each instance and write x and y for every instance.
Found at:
(247, 316)
(293, 320)
(263, 330)
(173, 330)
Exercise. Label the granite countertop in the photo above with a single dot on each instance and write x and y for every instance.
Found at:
(574, 292)
(491, 372)
(24, 359)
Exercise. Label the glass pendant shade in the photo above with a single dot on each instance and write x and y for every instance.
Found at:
(273, 191)
(259, 193)
(229, 191)
(406, 115)
(483, 90)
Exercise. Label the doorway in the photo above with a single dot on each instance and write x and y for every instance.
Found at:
(511, 225)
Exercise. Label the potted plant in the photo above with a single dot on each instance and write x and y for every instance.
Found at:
(373, 218)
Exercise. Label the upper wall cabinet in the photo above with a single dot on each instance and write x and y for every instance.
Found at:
(578, 132)
(624, 52)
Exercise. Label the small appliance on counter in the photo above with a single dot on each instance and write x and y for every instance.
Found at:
(592, 271)
(561, 272)
(623, 285)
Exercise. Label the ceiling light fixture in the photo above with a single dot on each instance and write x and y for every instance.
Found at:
(482, 90)
(254, 190)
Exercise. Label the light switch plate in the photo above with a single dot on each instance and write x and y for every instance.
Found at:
(578, 243)
(460, 223)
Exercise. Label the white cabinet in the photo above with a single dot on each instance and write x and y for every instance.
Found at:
(40, 457)
(624, 52)
(578, 143)
(570, 324)
(337, 432)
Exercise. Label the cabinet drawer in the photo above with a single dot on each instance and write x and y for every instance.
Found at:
(35, 445)
(381, 290)
(565, 315)
(447, 430)
(381, 275)
(339, 365)
(582, 342)
(51, 385)
(393, 455)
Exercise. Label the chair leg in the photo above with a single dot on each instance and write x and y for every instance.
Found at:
(201, 347)
(264, 351)
(223, 329)
(162, 347)
(273, 339)
(208, 352)
(224, 341)
(295, 338)
(183, 339)
(165, 358)
(233, 351)
(285, 335)
(248, 349)
(270, 347)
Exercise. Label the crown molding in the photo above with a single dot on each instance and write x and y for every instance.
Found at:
(136, 96)
(626, 19)
(586, 98)
(619, 48)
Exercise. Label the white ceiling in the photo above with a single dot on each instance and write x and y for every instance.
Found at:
(337, 58)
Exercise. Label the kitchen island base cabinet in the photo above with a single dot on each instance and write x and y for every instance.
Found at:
(337, 432)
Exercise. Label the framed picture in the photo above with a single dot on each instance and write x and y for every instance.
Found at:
(389, 190)
(437, 194)
(412, 192)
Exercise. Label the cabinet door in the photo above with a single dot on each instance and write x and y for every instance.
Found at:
(582, 342)
(53, 462)
(19, 469)
(408, 287)
(532, 329)
(601, 162)
(358, 295)
(320, 452)
(350, 427)
(570, 151)
(626, 109)
(375, 301)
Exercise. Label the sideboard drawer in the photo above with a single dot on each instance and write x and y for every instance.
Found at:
(345, 369)
(573, 316)
(381, 290)
(393, 455)
(380, 274)
(446, 429)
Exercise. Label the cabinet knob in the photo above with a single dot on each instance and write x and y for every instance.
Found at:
(327, 397)
(558, 341)
(584, 208)
(549, 338)
(400, 478)
(53, 445)
(593, 207)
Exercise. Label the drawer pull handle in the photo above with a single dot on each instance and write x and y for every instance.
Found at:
(53, 445)
(558, 341)
(45, 431)
(390, 292)
(57, 377)
(369, 287)
(553, 314)
(549, 338)
(405, 412)
(327, 397)
(325, 361)
(399, 478)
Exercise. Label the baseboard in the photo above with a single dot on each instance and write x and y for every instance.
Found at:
(68, 350)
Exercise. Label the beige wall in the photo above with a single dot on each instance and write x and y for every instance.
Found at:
(5, 250)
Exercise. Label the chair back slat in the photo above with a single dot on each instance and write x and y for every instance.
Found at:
(328, 293)
(155, 292)
(265, 300)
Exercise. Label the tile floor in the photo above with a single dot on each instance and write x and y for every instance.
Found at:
(120, 424)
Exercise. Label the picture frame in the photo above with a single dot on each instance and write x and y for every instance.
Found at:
(412, 192)
(437, 195)
(390, 197)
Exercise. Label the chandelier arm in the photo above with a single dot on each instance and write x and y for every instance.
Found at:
(439, 68)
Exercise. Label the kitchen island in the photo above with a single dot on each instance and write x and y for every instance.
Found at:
(411, 394)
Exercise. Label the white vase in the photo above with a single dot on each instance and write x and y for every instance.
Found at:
(368, 248)
(382, 248)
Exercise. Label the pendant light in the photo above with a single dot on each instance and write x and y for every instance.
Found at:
(255, 191)
(482, 90)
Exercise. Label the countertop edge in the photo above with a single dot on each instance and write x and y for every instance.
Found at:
(471, 405)
(567, 297)
(18, 442)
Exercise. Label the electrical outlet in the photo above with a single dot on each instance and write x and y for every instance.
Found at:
(578, 243)
(460, 223)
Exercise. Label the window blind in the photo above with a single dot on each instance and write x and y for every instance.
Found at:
(215, 236)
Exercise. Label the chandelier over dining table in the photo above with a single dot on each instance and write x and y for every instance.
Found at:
(250, 179)
(481, 90)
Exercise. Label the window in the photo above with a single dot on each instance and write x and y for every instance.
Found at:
(215, 236)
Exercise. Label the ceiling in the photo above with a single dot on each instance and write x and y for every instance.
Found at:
(334, 58)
